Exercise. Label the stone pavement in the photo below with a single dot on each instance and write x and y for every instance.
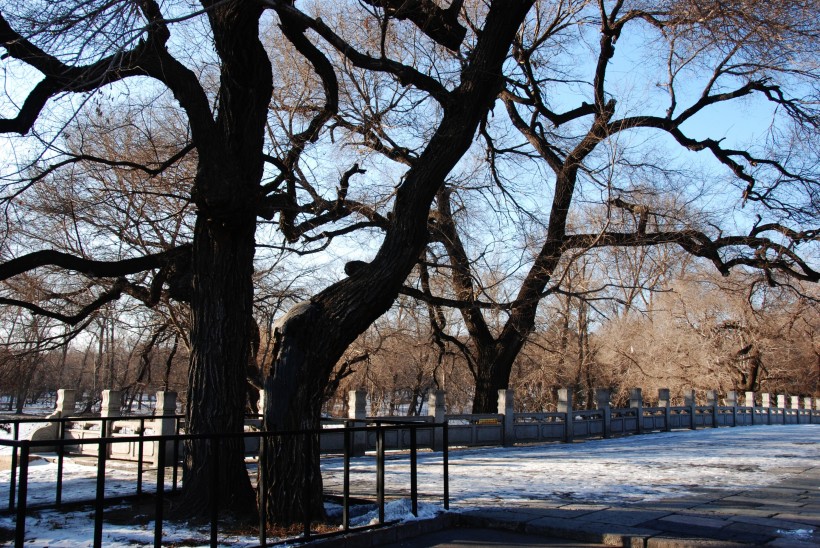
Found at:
(786, 514)
(783, 515)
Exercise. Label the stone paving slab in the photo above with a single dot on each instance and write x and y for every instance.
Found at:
(772, 516)
(624, 516)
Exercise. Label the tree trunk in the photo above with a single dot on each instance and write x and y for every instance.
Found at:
(221, 308)
(294, 482)
(311, 338)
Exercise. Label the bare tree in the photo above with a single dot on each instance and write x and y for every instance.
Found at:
(591, 144)
(242, 175)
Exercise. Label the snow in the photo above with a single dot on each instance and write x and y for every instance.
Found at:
(648, 467)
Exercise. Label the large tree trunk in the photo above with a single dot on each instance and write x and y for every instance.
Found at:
(226, 193)
(221, 306)
(313, 337)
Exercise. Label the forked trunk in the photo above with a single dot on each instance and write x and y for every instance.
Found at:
(312, 337)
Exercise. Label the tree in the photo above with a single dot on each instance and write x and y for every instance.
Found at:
(80, 48)
(630, 162)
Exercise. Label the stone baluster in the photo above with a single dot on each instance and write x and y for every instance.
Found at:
(636, 403)
(602, 402)
(690, 401)
(357, 410)
(506, 400)
(565, 406)
(665, 402)
(436, 408)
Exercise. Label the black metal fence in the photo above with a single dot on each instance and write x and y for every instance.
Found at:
(21, 450)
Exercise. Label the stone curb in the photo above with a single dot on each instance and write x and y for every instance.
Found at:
(390, 534)
(585, 531)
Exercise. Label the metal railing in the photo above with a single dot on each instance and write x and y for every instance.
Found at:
(23, 449)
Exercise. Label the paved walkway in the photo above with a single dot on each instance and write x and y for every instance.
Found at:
(786, 514)
(783, 515)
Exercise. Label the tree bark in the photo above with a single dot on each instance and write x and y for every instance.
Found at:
(226, 192)
(221, 308)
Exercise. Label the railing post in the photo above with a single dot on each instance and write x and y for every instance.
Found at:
(664, 402)
(602, 398)
(262, 487)
(445, 457)
(380, 471)
(414, 483)
(506, 399)
(795, 405)
(436, 409)
(102, 454)
(731, 401)
(346, 481)
(22, 495)
(565, 406)
(357, 410)
(61, 422)
(159, 503)
(13, 470)
(140, 454)
(766, 403)
(636, 403)
(807, 407)
(750, 403)
(712, 401)
(690, 401)
(781, 407)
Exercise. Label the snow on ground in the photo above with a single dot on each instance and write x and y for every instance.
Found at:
(608, 471)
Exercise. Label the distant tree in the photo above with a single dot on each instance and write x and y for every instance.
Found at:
(734, 333)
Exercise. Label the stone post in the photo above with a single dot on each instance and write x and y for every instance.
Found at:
(565, 406)
(750, 403)
(731, 401)
(781, 407)
(602, 397)
(712, 401)
(110, 407)
(690, 402)
(795, 406)
(357, 410)
(65, 407)
(165, 424)
(263, 396)
(436, 407)
(766, 403)
(166, 407)
(636, 403)
(506, 399)
(665, 403)
(66, 403)
(806, 402)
